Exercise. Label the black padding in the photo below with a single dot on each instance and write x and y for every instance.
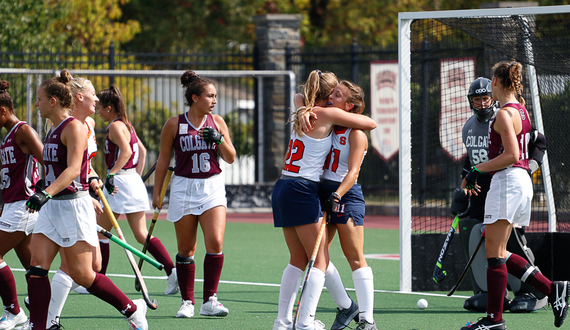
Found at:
(184, 261)
(495, 262)
(37, 271)
(459, 202)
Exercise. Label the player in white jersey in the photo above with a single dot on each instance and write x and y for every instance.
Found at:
(85, 100)
(342, 196)
(295, 202)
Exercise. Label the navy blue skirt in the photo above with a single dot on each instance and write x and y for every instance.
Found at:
(295, 202)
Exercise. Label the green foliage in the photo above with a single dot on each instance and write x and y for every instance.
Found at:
(241, 133)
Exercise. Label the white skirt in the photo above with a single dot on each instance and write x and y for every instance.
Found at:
(68, 221)
(509, 197)
(132, 196)
(195, 196)
(16, 218)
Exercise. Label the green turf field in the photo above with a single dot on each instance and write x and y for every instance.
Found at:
(255, 256)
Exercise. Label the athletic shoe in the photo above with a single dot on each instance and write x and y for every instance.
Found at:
(213, 308)
(526, 303)
(278, 325)
(55, 325)
(81, 290)
(186, 310)
(9, 320)
(137, 321)
(26, 326)
(558, 298)
(345, 316)
(485, 323)
(316, 325)
(364, 325)
(172, 282)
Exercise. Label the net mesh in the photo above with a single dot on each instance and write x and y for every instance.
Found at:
(447, 55)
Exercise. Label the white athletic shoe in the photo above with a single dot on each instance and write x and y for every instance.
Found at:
(186, 310)
(213, 308)
(137, 321)
(25, 326)
(279, 325)
(172, 282)
(316, 325)
(81, 290)
(10, 321)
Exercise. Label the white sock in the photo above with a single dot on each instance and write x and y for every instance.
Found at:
(364, 287)
(333, 283)
(290, 282)
(61, 283)
(306, 315)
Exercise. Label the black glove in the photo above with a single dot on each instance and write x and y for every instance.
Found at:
(471, 177)
(41, 184)
(38, 200)
(332, 203)
(110, 183)
(211, 134)
(92, 191)
(459, 202)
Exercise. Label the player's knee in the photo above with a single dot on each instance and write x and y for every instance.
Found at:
(36, 271)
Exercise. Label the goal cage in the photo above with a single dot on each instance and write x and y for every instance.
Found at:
(440, 54)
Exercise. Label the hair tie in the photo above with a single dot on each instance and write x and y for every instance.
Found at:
(2, 91)
(319, 72)
(513, 63)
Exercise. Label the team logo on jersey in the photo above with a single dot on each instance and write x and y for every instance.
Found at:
(183, 129)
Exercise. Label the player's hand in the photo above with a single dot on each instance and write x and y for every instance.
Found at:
(110, 184)
(97, 206)
(332, 203)
(471, 178)
(94, 184)
(37, 200)
(210, 134)
(307, 120)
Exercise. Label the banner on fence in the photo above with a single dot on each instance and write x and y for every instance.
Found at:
(384, 108)
(456, 75)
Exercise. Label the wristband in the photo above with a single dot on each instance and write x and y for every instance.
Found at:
(475, 169)
(336, 195)
(221, 140)
(48, 196)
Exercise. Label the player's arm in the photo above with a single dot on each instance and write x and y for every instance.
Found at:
(226, 148)
(166, 144)
(465, 171)
(29, 141)
(119, 134)
(73, 137)
(358, 146)
(142, 157)
(340, 117)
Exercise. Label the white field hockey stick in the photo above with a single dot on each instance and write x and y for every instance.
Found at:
(310, 266)
(150, 303)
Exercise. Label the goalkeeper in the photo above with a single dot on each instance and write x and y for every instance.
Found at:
(475, 132)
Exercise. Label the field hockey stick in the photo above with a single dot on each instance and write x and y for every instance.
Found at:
(129, 247)
(150, 303)
(438, 273)
(154, 219)
(310, 266)
(466, 269)
(147, 174)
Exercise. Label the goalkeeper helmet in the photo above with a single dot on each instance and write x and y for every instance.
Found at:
(481, 87)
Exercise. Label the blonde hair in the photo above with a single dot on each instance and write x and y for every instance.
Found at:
(509, 75)
(318, 87)
(355, 96)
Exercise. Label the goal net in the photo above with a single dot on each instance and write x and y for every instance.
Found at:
(440, 54)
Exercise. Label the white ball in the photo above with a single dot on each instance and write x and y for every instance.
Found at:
(422, 304)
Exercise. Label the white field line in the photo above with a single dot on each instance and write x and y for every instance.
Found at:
(264, 284)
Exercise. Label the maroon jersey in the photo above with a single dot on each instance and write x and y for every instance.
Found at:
(112, 151)
(19, 170)
(496, 145)
(55, 161)
(194, 157)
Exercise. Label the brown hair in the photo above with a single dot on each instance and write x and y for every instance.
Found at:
(112, 97)
(5, 98)
(57, 87)
(509, 75)
(355, 96)
(194, 85)
(318, 87)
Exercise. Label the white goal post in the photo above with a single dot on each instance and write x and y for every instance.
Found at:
(405, 79)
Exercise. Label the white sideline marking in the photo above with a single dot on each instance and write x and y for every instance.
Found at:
(263, 284)
(382, 256)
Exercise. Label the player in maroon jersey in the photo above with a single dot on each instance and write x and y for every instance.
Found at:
(68, 220)
(197, 190)
(509, 200)
(20, 151)
(124, 189)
